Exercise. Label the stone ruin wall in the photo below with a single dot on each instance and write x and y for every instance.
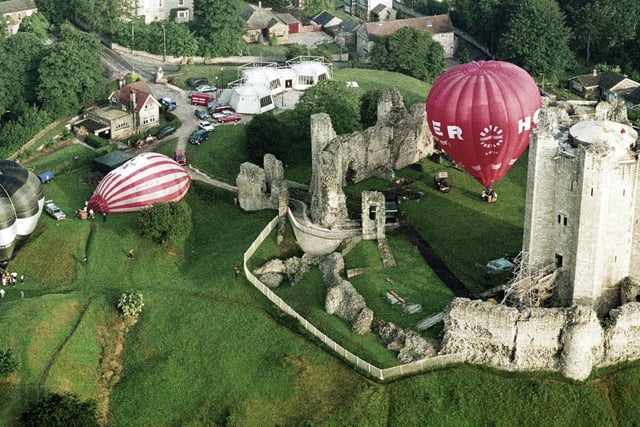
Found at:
(400, 138)
(263, 188)
(568, 340)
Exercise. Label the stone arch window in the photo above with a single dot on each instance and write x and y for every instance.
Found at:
(350, 176)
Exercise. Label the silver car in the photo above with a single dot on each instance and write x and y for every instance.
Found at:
(54, 211)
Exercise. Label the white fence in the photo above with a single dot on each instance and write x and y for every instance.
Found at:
(387, 373)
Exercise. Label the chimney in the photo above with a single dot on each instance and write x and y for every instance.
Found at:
(595, 72)
(132, 100)
(259, 4)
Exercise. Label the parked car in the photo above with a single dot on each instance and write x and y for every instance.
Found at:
(180, 157)
(46, 177)
(218, 108)
(197, 81)
(229, 117)
(168, 103)
(201, 114)
(441, 183)
(206, 126)
(54, 211)
(206, 88)
(166, 131)
(198, 137)
(499, 265)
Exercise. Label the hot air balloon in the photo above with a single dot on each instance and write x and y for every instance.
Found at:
(21, 203)
(481, 114)
(146, 179)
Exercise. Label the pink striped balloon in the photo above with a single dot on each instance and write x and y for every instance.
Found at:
(144, 180)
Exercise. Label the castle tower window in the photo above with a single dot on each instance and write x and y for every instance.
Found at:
(558, 260)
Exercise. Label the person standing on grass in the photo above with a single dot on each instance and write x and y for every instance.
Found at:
(2, 293)
(21, 294)
(236, 271)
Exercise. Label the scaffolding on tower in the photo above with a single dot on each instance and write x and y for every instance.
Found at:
(532, 285)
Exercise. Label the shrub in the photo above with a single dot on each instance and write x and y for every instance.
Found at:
(96, 141)
(131, 304)
(61, 410)
(8, 363)
(165, 221)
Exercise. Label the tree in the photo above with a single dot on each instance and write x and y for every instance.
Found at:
(294, 50)
(411, 52)
(369, 107)
(333, 98)
(19, 73)
(36, 24)
(314, 7)
(165, 221)
(61, 410)
(70, 73)
(8, 363)
(537, 38)
(218, 24)
(265, 135)
(603, 27)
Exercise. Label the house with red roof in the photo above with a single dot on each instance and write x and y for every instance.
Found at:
(132, 110)
(438, 25)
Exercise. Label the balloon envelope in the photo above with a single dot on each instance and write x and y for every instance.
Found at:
(144, 180)
(481, 114)
(21, 203)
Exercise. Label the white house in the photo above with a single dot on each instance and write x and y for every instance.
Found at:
(14, 11)
(160, 10)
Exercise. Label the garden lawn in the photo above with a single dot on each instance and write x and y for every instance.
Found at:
(211, 350)
(413, 91)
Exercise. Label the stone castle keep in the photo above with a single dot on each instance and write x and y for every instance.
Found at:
(582, 210)
(582, 218)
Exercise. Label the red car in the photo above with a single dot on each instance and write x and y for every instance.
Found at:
(220, 108)
(180, 157)
(230, 117)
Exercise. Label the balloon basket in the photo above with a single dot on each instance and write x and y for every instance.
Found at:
(489, 196)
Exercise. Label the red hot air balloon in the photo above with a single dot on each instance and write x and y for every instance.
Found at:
(146, 179)
(481, 114)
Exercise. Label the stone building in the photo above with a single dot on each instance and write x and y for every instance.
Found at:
(14, 11)
(581, 210)
(439, 26)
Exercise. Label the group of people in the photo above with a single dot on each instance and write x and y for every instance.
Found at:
(10, 279)
(86, 213)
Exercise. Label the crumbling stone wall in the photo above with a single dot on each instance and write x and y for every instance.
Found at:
(342, 298)
(400, 137)
(263, 188)
(569, 340)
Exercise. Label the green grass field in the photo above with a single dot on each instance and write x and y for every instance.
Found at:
(209, 350)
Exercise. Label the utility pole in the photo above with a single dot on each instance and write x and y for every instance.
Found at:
(164, 44)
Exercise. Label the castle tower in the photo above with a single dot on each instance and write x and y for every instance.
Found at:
(581, 210)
